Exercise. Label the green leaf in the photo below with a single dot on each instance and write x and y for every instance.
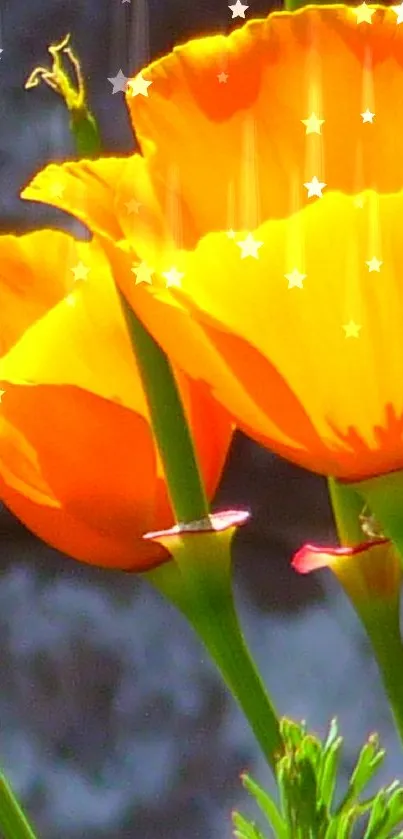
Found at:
(368, 762)
(245, 829)
(267, 807)
(378, 817)
(327, 775)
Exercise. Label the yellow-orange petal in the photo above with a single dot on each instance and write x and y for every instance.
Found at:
(82, 341)
(371, 570)
(250, 129)
(79, 472)
(84, 188)
(115, 198)
(325, 398)
(36, 272)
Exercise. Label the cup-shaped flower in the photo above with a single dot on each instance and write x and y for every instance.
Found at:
(258, 237)
(78, 462)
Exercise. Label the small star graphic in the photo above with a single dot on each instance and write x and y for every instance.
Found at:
(119, 82)
(314, 187)
(358, 201)
(364, 13)
(2, 392)
(231, 234)
(138, 85)
(249, 247)
(313, 124)
(133, 206)
(238, 9)
(351, 329)
(374, 264)
(143, 273)
(222, 78)
(80, 271)
(399, 12)
(367, 116)
(295, 278)
(173, 277)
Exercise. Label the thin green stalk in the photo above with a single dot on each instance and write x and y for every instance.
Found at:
(198, 581)
(168, 422)
(199, 584)
(379, 615)
(382, 625)
(13, 822)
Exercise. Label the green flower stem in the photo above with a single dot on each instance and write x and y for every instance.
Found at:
(199, 584)
(384, 496)
(85, 130)
(294, 5)
(382, 625)
(168, 422)
(380, 617)
(13, 822)
(347, 505)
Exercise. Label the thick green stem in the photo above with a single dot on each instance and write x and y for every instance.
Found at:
(379, 615)
(382, 625)
(199, 584)
(13, 822)
(168, 422)
(347, 506)
(384, 496)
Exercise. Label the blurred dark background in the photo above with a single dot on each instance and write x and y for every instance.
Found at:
(113, 723)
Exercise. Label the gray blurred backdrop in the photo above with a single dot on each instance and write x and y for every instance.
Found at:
(113, 723)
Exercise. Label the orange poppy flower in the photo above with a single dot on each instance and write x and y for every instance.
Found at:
(78, 463)
(262, 226)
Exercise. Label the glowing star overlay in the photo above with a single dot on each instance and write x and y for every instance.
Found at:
(313, 124)
(367, 116)
(231, 234)
(358, 201)
(173, 278)
(133, 206)
(295, 278)
(314, 187)
(118, 82)
(374, 264)
(222, 78)
(351, 329)
(238, 9)
(143, 273)
(364, 13)
(398, 10)
(80, 271)
(249, 247)
(138, 86)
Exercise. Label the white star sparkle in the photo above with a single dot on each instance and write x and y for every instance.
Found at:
(314, 187)
(249, 247)
(119, 82)
(238, 9)
(138, 86)
(367, 116)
